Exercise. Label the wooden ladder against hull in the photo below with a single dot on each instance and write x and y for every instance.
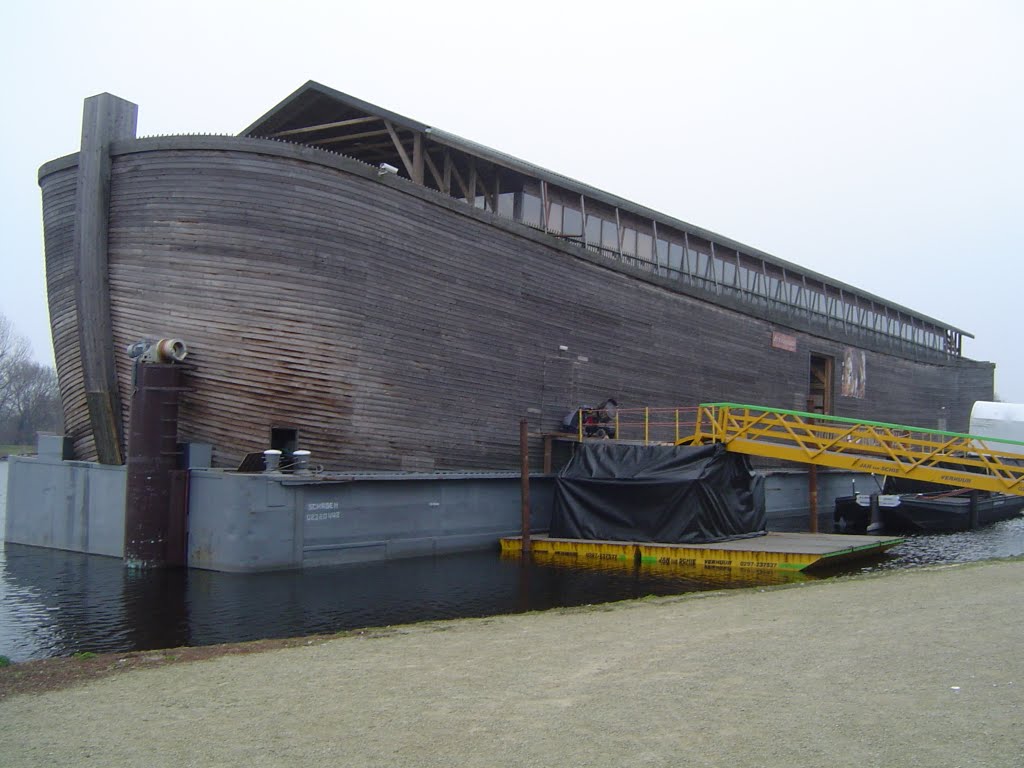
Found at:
(949, 458)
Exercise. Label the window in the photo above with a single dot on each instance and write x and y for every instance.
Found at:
(554, 217)
(644, 244)
(609, 236)
(572, 221)
(662, 252)
(675, 257)
(628, 241)
(531, 210)
(746, 284)
(593, 229)
(507, 204)
(699, 260)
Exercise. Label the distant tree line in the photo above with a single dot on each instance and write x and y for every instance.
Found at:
(29, 398)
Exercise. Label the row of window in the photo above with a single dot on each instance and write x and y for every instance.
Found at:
(697, 262)
(676, 255)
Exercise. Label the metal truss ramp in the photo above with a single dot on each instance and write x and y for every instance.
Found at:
(935, 456)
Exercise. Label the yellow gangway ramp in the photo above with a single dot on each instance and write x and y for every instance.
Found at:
(950, 458)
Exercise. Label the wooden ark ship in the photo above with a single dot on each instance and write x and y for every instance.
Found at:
(392, 296)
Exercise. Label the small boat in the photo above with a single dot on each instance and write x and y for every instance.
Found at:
(959, 509)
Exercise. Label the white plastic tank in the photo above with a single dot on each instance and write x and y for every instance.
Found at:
(1003, 421)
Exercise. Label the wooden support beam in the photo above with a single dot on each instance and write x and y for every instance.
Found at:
(462, 184)
(323, 126)
(383, 148)
(544, 205)
(442, 183)
(618, 231)
(583, 212)
(401, 150)
(481, 187)
(351, 137)
(655, 256)
(447, 188)
(417, 158)
(105, 119)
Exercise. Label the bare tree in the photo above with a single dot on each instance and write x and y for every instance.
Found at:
(14, 351)
(29, 398)
(33, 404)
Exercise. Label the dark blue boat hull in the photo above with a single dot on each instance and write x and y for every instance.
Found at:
(928, 513)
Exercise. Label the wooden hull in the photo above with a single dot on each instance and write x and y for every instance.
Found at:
(395, 328)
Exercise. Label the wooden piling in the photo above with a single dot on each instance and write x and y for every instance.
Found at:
(524, 464)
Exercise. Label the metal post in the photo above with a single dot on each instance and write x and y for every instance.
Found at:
(812, 487)
(152, 522)
(524, 458)
(876, 515)
(812, 498)
(647, 420)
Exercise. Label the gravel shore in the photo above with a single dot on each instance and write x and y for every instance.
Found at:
(912, 668)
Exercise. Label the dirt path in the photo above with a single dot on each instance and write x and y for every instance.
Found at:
(917, 668)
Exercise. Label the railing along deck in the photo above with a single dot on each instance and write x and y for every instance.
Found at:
(949, 458)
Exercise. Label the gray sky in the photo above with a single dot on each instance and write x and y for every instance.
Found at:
(879, 143)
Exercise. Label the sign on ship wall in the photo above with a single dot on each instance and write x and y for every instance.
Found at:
(783, 341)
(854, 373)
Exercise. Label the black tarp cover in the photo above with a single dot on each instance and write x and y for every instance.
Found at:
(668, 494)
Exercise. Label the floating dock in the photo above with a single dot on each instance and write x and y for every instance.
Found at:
(771, 552)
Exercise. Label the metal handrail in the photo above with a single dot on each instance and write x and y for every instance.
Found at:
(919, 453)
(648, 425)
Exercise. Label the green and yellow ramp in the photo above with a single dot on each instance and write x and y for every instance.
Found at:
(949, 458)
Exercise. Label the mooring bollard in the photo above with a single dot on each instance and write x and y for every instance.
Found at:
(271, 460)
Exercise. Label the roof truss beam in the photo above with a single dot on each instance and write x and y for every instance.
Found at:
(324, 126)
(349, 137)
(438, 179)
(413, 165)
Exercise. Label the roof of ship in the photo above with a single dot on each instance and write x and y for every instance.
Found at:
(319, 116)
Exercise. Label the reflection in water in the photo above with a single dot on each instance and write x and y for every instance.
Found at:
(1003, 539)
(56, 603)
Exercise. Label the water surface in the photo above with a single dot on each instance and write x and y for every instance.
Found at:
(55, 603)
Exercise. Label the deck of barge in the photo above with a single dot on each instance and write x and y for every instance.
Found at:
(773, 551)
